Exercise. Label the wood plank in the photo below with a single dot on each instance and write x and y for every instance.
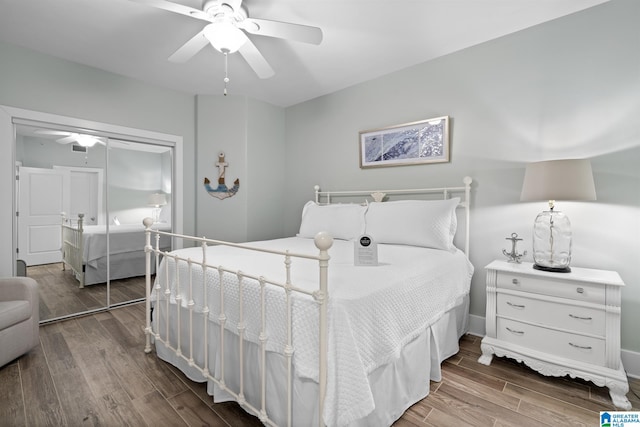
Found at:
(544, 413)
(194, 411)
(444, 416)
(59, 357)
(72, 386)
(235, 416)
(466, 380)
(159, 374)
(156, 411)
(40, 396)
(409, 421)
(484, 380)
(129, 317)
(11, 395)
(477, 408)
(199, 389)
(120, 361)
(122, 409)
(419, 410)
(454, 411)
(120, 333)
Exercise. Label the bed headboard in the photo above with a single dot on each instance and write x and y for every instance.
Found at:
(464, 192)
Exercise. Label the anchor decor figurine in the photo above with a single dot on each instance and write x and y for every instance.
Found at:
(221, 191)
(514, 256)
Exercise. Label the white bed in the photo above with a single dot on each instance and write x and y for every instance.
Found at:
(387, 327)
(85, 247)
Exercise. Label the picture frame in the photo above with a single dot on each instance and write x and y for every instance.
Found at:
(424, 141)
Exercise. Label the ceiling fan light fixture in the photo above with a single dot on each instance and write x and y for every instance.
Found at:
(86, 140)
(225, 37)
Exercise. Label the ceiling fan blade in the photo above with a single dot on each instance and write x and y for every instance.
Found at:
(66, 140)
(190, 48)
(51, 132)
(283, 30)
(176, 8)
(100, 140)
(252, 55)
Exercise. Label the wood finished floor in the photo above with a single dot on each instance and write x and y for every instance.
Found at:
(93, 371)
(61, 296)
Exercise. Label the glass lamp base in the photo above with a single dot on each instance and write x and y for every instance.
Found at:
(552, 269)
(552, 242)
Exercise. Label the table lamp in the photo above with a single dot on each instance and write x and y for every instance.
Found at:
(569, 179)
(157, 200)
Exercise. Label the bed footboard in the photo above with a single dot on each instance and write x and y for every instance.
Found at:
(171, 316)
(72, 246)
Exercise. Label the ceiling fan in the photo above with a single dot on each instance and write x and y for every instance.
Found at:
(68, 137)
(226, 32)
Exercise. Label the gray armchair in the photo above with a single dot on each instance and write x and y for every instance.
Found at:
(19, 317)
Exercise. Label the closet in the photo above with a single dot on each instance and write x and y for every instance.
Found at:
(100, 179)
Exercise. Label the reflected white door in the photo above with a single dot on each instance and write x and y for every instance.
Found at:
(43, 196)
(86, 194)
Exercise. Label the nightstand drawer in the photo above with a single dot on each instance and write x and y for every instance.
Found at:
(586, 320)
(570, 346)
(579, 291)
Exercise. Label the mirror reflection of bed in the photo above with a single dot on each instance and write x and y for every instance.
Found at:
(113, 184)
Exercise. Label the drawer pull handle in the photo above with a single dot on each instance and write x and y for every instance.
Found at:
(581, 347)
(580, 290)
(515, 281)
(513, 331)
(579, 317)
(515, 305)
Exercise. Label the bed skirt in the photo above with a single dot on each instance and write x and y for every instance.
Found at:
(395, 386)
(123, 266)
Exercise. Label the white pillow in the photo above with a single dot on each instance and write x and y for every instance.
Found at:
(341, 221)
(426, 223)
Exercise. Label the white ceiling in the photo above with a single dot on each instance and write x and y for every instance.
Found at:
(363, 39)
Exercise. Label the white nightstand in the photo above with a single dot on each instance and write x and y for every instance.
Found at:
(557, 323)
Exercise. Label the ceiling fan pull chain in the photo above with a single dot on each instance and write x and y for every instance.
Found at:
(226, 77)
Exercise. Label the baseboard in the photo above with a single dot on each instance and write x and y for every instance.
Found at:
(631, 362)
(477, 325)
(630, 359)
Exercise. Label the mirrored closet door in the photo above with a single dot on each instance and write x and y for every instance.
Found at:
(140, 181)
(81, 197)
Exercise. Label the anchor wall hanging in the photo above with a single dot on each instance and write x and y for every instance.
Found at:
(221, 191)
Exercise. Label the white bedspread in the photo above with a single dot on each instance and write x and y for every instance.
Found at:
(122, 238)
(373, 311)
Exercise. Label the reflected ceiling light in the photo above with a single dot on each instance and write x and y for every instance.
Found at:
(86, 140)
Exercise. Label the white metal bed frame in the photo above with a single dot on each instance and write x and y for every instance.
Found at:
(73, 246)
(322, 241)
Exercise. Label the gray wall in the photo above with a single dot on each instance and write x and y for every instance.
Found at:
(251, 134)
(133, 176)
(567, 88)
(38, 82)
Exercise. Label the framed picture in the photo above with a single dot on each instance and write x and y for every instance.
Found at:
(426, 141)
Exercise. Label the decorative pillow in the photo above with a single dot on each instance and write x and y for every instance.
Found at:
(341, 221)
(427, 223)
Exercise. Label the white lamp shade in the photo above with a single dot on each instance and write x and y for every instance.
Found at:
(570, 179)
(157, 199)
